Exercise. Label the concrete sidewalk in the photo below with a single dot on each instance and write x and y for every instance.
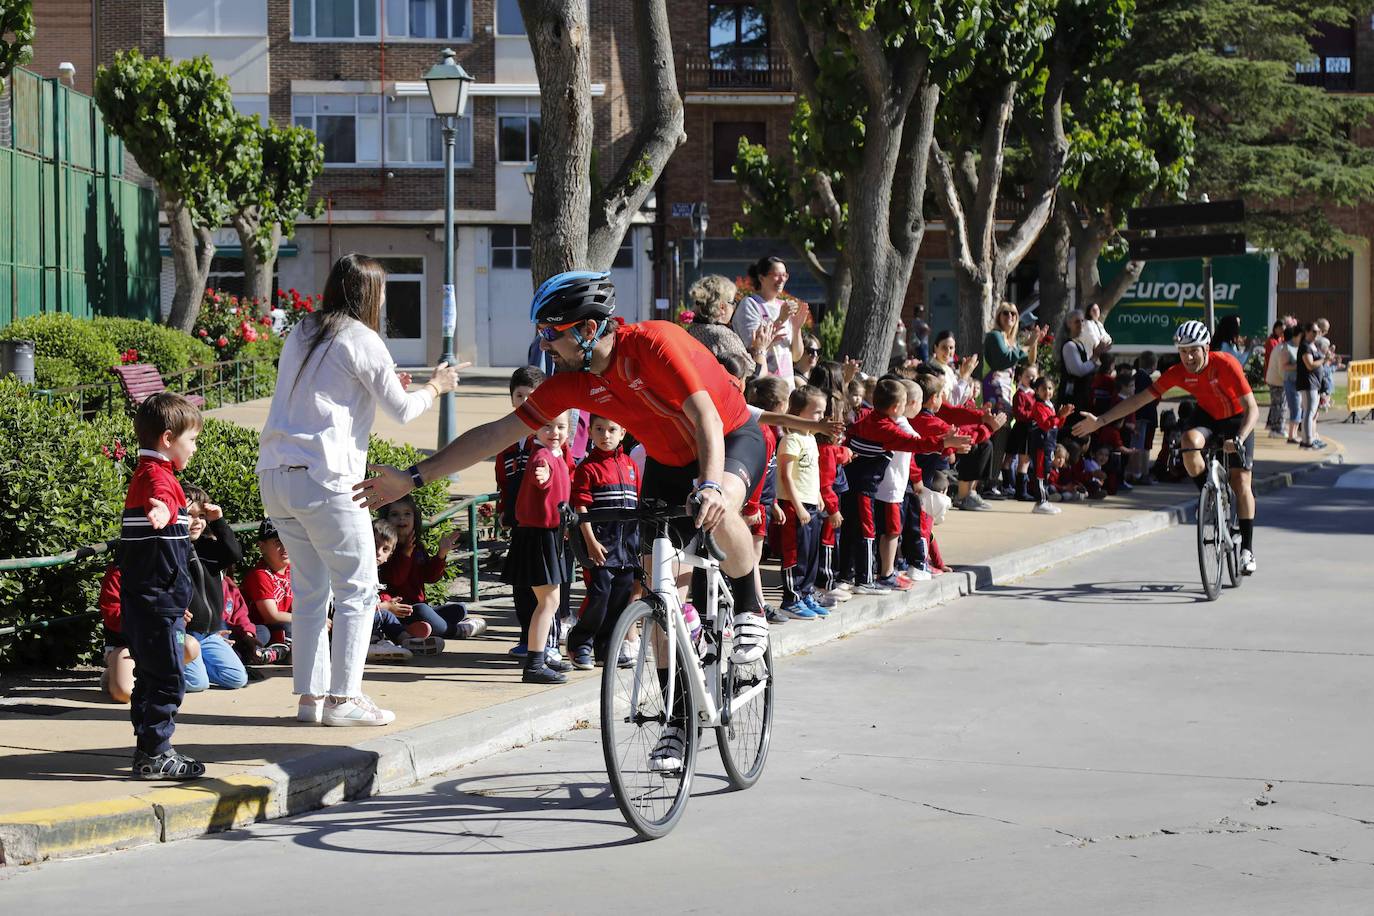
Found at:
(64, 753)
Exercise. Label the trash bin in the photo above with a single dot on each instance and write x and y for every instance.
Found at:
(16, 358)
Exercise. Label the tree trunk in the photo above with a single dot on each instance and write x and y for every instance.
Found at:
(839, 285)
(257, 272)
(1088, 245)
(558, 36)
(1055, 247)
(192, 250)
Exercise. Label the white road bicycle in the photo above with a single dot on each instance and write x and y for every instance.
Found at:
(1218, 531)
(675, 687)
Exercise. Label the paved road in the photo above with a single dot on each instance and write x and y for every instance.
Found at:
(1094, 739)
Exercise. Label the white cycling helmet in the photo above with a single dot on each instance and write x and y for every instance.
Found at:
(1192, 334)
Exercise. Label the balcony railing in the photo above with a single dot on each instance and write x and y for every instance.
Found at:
(738, 69)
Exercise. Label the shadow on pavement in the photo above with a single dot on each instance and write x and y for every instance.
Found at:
(1120, 592)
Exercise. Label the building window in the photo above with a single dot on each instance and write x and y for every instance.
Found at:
(429, 19)
(509, 21)
(738, 36)
(1309, 66)
(415, 137)
(253, 105)
(625, 254)
(215, 17)
(349, 127)
(337, 19)
(510, 247)
(403, 317)
(517, 129)
(1338, 65)
(725, 144)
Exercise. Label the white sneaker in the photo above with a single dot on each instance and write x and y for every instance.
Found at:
(1046, 509)
(310, 709)
(842, 588)
(917, 575)
(750, 638)
(429, 645)
(359, 710)
(667, 755)
(839, 595)
(1247, 562)
(384, 650)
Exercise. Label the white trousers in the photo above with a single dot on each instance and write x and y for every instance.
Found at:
(329, 540)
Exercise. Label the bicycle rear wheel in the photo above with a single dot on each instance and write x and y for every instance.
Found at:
(1209, 541)
(634, 717)
(744, 741)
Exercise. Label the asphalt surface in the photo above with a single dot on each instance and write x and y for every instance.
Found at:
(1093, 739)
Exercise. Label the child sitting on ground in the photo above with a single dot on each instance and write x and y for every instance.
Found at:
(396, 633)
(537, 557)
(117, 680)
(214, 548)
(1061, 479)
(267, 589)
(606, 479)
(409, 569)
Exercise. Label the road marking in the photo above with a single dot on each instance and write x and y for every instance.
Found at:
(1358, 479)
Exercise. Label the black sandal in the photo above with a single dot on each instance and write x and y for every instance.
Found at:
(170, 764)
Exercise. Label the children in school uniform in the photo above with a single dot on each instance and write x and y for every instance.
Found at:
(1018, 443)
(605, 479)
(797, 536)
(1043, 440)
(537, 558)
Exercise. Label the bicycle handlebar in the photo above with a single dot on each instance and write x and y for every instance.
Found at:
(656, 512)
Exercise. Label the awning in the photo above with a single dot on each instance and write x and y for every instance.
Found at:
(287, 250)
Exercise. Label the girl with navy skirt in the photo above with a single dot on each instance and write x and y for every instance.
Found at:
(536, 558)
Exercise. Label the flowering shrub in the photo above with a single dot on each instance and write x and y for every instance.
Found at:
(229, 323)
(128, 356)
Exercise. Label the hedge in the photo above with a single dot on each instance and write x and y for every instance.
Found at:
(167, 348)
(67, 347)
(61, 492)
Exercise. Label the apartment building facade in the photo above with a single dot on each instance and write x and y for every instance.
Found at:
(351, 70)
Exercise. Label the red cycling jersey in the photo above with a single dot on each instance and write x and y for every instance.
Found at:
(655, 367)
(1219, 387)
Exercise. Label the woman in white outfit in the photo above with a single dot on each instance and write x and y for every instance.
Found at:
(334, 373)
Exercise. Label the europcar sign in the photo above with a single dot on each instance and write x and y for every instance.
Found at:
(1169, 293)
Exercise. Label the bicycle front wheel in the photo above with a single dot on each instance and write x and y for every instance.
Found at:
(1232, 543)
(744, 739)
(652, 789)
(1210, 544)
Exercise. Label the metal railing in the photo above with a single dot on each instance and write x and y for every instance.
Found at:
(472, 553)
(219, 383)
(737, 68)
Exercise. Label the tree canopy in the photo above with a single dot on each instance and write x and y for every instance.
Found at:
(16, 35)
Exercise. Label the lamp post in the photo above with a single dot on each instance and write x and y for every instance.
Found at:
(448, 92)
(700, 221)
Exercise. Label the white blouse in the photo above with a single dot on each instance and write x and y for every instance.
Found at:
(322, 422)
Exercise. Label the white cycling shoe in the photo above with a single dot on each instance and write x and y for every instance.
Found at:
(1247, 562)
(667, 755)
(750, 639)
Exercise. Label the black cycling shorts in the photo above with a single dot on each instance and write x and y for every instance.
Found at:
(745, 457)
(1216, 430)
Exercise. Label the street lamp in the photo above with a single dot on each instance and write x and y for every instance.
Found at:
(448, 92)
(529, 172)
(700, 220)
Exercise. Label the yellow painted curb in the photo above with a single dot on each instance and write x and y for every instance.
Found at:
(73, 830)
(211, 805)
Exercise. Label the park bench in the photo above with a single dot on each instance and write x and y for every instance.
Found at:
(140, 380)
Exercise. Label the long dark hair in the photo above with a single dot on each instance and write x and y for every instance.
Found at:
(353, 292)
(1228, 330)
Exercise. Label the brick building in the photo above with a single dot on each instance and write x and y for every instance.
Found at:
(352, 71)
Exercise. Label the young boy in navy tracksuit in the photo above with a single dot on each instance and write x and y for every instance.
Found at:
(155, 582)
(606, 479)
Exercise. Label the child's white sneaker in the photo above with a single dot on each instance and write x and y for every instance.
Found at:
(429, 645)
(1046, 509)
(384, 650)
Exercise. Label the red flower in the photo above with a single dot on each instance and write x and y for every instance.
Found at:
(280, 293)
(222, 342)
(250, 335)
(293, 291)
(209, 291)
(203, 333)
(215, 299)
(309, 307)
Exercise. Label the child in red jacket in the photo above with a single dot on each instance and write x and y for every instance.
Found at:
(409, 569)
(606, 479)
(1044, 437)
(1018, 443)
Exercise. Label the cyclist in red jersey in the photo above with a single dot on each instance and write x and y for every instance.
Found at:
(665, 388)
(1226, 410)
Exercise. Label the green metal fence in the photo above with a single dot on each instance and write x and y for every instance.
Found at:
(75, 236)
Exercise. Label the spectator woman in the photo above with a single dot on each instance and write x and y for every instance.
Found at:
(1001, 354)
(1307, 377)
(811, 353)
(1227, 338)
(959, 383)
(712, 300)
(335, 372)
(1093, 332)
(767, 315)
(1286, 354)
(1273, 378)
(1078, 362)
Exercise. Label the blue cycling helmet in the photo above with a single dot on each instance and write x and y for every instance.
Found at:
(575, 296)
